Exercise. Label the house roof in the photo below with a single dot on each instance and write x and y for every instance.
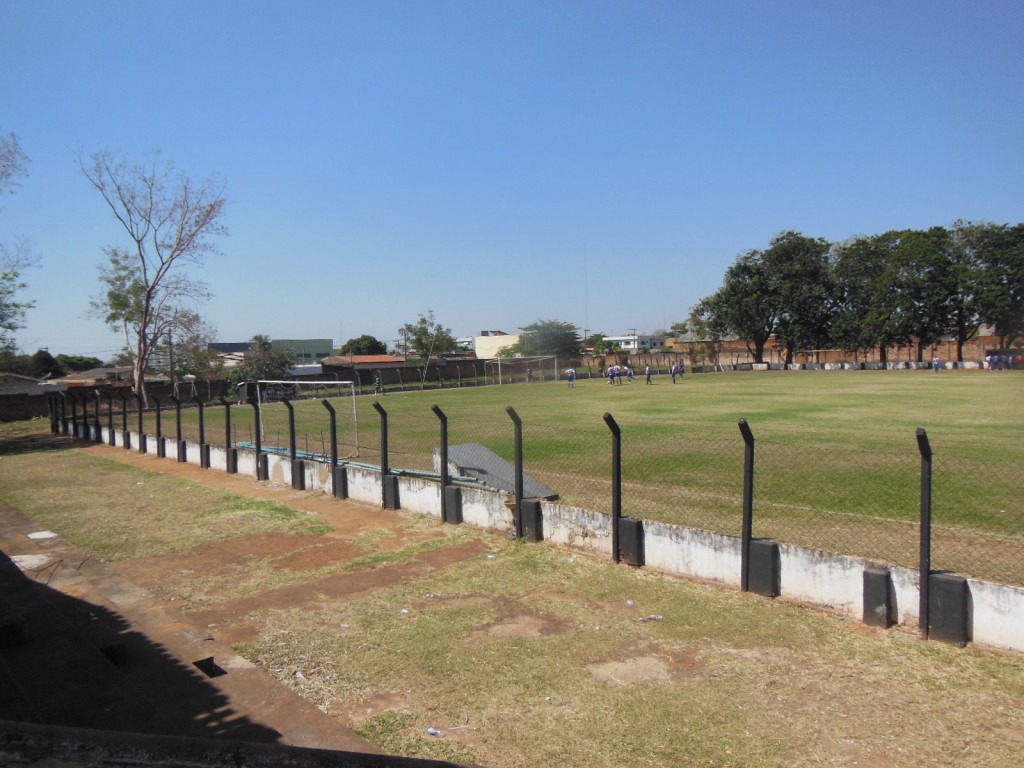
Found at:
(363, 360)
(14, 383)
(98, 374)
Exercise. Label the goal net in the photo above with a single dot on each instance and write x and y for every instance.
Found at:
(312, 419)
(518, 370)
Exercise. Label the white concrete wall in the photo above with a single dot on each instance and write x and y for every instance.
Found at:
(825, 579)
(365, 485)
(692, 552)
(576, 528)
(837, 581)
(418, 494)
(483, 508)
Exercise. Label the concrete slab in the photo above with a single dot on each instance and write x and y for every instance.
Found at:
(479, 461)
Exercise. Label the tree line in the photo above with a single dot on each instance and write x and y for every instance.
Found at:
(903, 287)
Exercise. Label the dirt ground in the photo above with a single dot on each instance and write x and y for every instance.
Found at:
(234, 621)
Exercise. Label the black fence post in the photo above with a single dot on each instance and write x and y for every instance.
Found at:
(616, 482)
(925, 562)
(99, 425)
(255, 403)
(74, 415)
(748, 504)
(63, 413)
(161, 450)
(204, 449)
(126, 439)
(111, 440)
(444, 459)
(177, 429)
(231, 459)
(339, 476)
(388, 483)
(298, 470)
(293, 451)
(518, 512)
(451, 496)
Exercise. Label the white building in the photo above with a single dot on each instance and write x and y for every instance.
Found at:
(637, 343)
(487, 344)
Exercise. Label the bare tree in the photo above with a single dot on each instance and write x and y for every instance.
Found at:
(171, 222)
(12, 162)
(14, 257)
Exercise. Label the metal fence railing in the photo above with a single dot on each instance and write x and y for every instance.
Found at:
(865, 503)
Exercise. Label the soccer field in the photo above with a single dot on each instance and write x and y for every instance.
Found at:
(837, 458)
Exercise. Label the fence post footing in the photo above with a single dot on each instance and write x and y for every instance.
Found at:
(531, 520)
(391, 500)
(452, 504)
(878, 598)
(631, 541)
(340, 483)
(949, 608)
(765, 568)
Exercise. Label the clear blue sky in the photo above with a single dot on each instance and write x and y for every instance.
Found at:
(499, 163)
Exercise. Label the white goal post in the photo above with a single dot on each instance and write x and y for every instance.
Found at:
(509, 370)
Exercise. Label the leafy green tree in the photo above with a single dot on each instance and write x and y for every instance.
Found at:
(170, 221)
(799, 274)
(867, 294)
(264, 362)
(548, 337)
(42, 365)
(187, 348)
(747, 305)
(1001, 294)
(705, 328)
(78, 362)
(679, 330)
(364, 345)
(922, 285)
(598, 343)
(11, 361)
(426, 338)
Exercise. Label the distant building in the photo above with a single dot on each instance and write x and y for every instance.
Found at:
(637, 343)
(307, 351)
(344, 364)
(229, 347)
(487, 344)
(111, 375)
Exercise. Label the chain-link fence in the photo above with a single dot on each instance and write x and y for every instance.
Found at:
(977, 519)
(852, 502)
(865, 503)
